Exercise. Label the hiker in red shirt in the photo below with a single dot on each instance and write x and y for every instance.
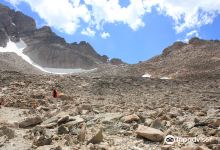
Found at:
(55, 93)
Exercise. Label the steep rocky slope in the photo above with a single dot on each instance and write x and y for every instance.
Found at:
(13, 62)
(196, 59)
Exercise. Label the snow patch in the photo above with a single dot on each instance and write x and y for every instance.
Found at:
(21, 45)
(68, 71)
(165, 78)
(147, 75)
(14, 47)
(18, 49)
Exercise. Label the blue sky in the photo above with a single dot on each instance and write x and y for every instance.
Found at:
(133, 30)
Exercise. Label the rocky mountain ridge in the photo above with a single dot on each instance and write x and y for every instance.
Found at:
(195, 59)
(198, 58)
(44, 47)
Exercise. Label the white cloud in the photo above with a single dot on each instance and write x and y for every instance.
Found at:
(187, 14)
(88, 31)
(190, 35)
(67, 15)
(105, 35)
(110, 11)
(64, 15)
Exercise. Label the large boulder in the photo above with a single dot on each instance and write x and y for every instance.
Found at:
(30, 121)
(150, 133)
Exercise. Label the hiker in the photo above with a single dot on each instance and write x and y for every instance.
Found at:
(55, 93)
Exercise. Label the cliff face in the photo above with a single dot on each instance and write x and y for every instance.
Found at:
(14, 25)
(49, 50)
(44, 47)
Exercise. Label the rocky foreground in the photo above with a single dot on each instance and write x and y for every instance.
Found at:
(107, 113)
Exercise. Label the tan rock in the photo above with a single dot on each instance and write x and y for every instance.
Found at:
(195, 131)
(62, 120)
(212, 132)
(84, 112)
(174, 112)
(82, 134)
(130, 118)
(188, 125)
(108, 117)
(82, 107)
(148, 122)
(73, 121)
(216, 123)
(157, 124)
(150, 133)
(49, 125)
(32, 121)
(97, 138)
